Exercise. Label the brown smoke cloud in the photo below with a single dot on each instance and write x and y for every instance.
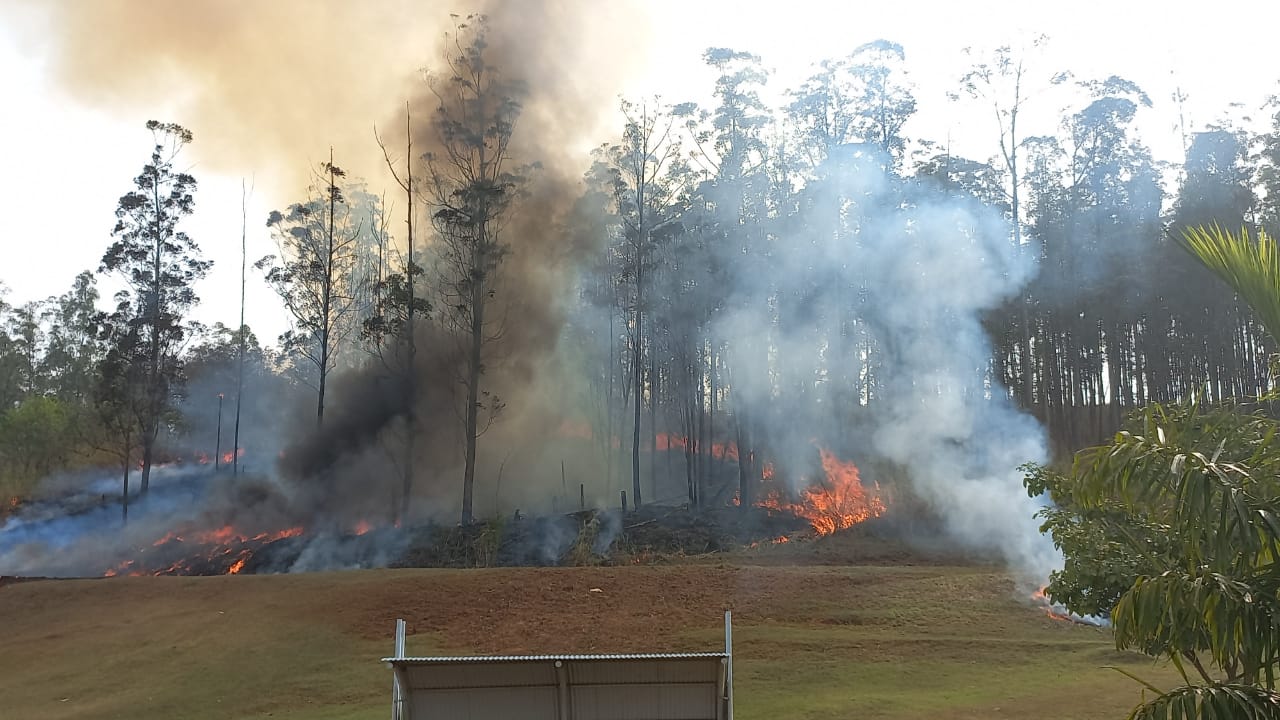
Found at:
(267, 87)
(271, 85)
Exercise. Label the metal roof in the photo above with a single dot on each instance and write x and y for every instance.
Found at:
(547, 658)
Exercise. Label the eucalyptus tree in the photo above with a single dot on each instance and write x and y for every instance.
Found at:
(730, 150)
(646, 176)
(399, 306)
(1007, 81)
(471, 184)
(849, 118)
(1267, 170)
(121, 397)
(159, 264)
(313, 274)
(882, 99)
(72, 346)
(1115, 195)
(1219, 346)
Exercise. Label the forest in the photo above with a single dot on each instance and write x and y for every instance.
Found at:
(734, 280)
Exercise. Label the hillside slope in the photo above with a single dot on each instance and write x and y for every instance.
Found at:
(810, 642)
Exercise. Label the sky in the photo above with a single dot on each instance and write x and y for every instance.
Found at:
(71, 148)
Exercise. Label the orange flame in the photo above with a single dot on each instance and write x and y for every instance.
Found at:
(776, 541)
(720, 451)
(838, 503)
(1042, 600)
(217, 543)
(362, 527)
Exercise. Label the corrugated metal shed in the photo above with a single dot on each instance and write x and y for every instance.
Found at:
(644, 686)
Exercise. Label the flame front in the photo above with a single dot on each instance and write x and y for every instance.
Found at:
(839, 503)
(1042, 600)
(224, 550)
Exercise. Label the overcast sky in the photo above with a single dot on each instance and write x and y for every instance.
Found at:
(68, 155)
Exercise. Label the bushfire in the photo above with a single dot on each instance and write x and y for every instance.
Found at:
(1042, 600)
(838, 503)
(224, 550)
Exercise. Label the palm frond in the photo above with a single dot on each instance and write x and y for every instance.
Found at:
(1211, 702)
(1251, 266)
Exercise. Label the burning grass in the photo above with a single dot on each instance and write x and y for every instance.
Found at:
(223, 551)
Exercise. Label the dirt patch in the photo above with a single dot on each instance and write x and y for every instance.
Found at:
(569, 610)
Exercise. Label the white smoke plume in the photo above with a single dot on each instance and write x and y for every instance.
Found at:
(920, 272)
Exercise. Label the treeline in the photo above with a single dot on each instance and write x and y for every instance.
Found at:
(739, 290)
(782, 211)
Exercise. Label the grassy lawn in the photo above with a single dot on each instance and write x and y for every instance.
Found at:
(809, 642)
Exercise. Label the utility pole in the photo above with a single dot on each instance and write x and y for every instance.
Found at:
(217, 444)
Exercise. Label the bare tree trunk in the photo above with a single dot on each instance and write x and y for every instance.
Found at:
(406, 490)
(148, 449)
(638, 390)
(473, 401)
(326, 307)
(610, 457)
(653, 414)
(151, 423)
(244, 223)
(124, 497)
(745, 494)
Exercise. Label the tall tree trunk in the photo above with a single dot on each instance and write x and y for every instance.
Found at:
(148, 448)
(473, 400)
(410, 377)
(637, 366)
(155, 399)
(244, 255)
(124, 496)
(611, 458)
(653, 414)
(326, 321)
(746, 488)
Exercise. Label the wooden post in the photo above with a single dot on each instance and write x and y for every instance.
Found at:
(624, 501)
(582, 496)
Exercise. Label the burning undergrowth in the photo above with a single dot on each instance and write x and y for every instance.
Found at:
(838, 502)
(196, 522)
(191, 522)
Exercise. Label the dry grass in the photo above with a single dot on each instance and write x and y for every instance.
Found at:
(810, 642)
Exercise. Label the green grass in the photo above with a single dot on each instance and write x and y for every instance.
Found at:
(816, 642)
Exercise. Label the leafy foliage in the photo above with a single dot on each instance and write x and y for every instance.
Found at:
(1194, 491)
(1226, 701)
(1181, 514)
(1099, 564)
(315, 275)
